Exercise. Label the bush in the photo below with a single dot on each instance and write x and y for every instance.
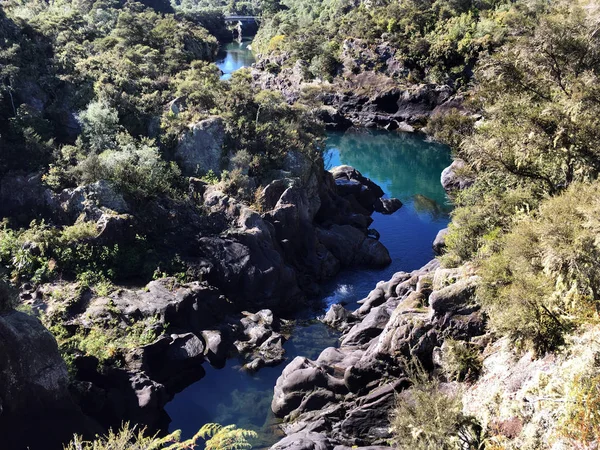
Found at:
(460, 360)
(43, 252)
(428, 418)
(217, 437)
(581, 421)
(135, 167)
(545, 278)
(484, 212)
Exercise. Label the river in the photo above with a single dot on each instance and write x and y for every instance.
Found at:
(234, 56)
(407, 167)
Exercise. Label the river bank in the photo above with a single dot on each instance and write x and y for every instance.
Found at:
(410, 173)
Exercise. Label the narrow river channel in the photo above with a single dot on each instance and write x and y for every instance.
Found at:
(407, 167)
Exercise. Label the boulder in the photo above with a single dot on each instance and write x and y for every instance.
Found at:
(200, 149)
(333, 119)
(453, 177)
(305, 440)
(351, 247)
(92, 201)
(36, 407)
(353, 186)
(338, 317)
(250, 270)
(174, 361)
(439, 243)
(458, 298)
(192, 306)
(304, 386)
(25, 196)
(216, 348)
(115, 228)
(368, 328)
(387, 205)
(259, 343)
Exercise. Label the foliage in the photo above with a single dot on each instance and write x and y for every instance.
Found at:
(545, 277)
(425, 417)
(581, 421)
(437, 41)
(228, 437)
(106, 342)
(266, 128)
(539, 134)
(42, 252)
(132, 438)
(128, 438)
(460, 361)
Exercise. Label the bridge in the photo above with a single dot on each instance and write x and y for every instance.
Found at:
(235, 18)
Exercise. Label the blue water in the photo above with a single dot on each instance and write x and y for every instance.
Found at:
(234, 56)
(407, 167)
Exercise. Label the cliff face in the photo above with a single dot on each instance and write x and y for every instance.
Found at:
(312, 223)
(36, 407)
(370, 88)
(346, 396)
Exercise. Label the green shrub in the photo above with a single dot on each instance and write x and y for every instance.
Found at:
(426, 418)
(43, 252)
(135, 167)
(545, 278)
(217, 437)
(460, 360)
(484, 212)
(106, 342)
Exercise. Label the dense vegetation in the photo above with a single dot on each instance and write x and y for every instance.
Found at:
(84, 94)
(528, 217)
(216, 437)
(435, 40)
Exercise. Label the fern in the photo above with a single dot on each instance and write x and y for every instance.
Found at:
(219, 437)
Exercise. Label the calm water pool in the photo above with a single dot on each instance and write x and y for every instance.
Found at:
(234, 56)
(405, 166)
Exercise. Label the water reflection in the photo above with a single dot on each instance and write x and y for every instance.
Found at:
(405, 165)
(234, 56)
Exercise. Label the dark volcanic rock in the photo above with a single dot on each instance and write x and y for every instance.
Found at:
(347, 394)
(387, 205)
(36, 407)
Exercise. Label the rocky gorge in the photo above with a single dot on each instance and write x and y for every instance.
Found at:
(366, 91)
(313, 223)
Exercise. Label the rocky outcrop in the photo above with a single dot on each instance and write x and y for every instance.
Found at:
(36, 407)
(346, 395)
(390, 107)
(274, 72)
(358, 56)
(24, 196)
(455, 176)
(201, 148)
(370, 88)
(364, 195)
(260, 344)
(439, 243)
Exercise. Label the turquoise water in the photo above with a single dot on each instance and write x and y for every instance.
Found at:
(234, 56)
(405, 166)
